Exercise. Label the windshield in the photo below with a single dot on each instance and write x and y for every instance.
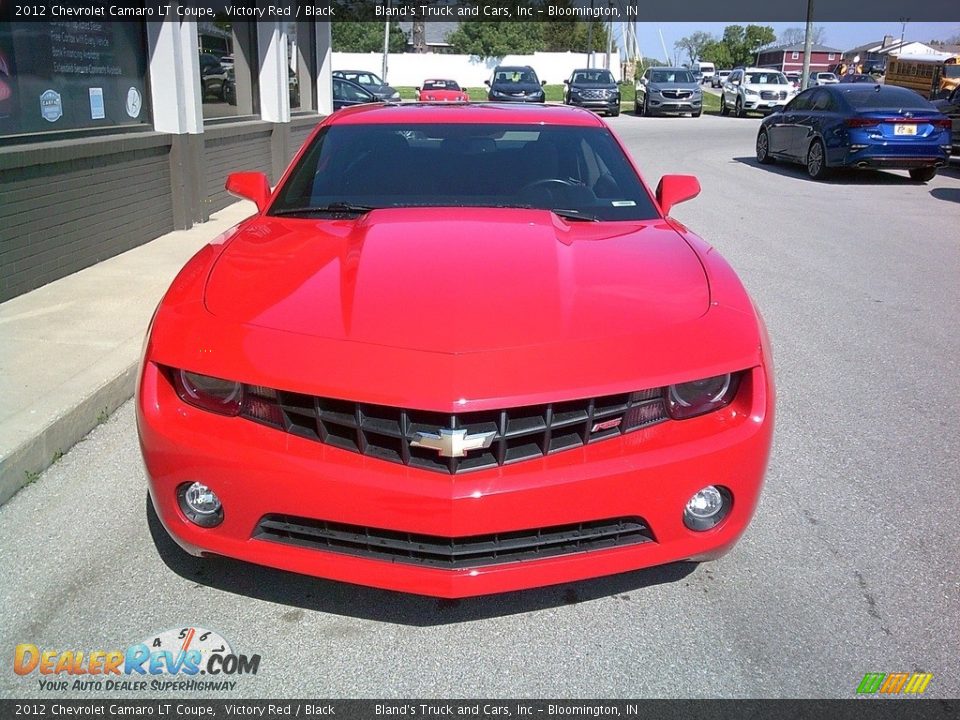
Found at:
(766, 78)
(884, 97)
(671, 76)
(951, 71)
(440, 85)
(362, 78)
(581, 171)
(520, 77)
(593, 76)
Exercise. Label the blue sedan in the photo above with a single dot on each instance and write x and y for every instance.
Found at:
(857, 125)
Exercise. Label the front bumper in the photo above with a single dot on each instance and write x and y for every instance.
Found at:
(765, 106)
(606, 105)
(650, 474)
(667, 106)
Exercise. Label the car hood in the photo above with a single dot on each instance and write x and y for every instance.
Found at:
(517, 87)
(594, 85)
(674, 86)
(473, 280)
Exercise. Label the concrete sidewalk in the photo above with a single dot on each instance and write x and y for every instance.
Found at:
(69, 350)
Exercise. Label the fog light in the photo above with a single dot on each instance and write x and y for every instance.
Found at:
(200, 504)
(707, 508)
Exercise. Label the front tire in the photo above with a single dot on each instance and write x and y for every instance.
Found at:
(738, 110)
(615, 113)
(724, 110)
(817, 161)
(763, 147)
(924, 174)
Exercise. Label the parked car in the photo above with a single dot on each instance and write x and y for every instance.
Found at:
(441, 91)
(515, 84)
(795, 79)
(593, 88)
(857, 125)
(321, 390)
(668, 90)
(346, 93)
(719, 78)
(212, 77)
(755, 90)
(951, 108)
(858, 78)
(817, 79)
(370, 82)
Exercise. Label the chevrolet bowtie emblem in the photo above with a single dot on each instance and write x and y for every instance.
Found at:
(453, 443)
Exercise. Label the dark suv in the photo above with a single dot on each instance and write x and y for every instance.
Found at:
(515, 84)
(593, 88)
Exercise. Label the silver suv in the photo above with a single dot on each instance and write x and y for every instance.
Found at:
(759, 90)
(666, 90)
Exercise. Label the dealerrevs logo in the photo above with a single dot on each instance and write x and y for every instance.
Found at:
(172, 660)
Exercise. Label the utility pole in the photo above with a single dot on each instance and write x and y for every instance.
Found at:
(807, 46)
(386, 48)
(903, 31)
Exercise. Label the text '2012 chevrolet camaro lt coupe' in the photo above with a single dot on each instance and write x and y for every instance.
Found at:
(458, 350)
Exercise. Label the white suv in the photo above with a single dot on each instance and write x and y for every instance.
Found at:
(759, 90)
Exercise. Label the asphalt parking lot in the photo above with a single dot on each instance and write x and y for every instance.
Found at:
(849, 567)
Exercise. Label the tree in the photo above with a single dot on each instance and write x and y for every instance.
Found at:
(743, 42)
(496, 39)
(366, 36)
(693, 44)
(797, 36)
(718, 53)
(572, 36)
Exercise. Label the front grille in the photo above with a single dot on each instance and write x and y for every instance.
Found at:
(595, 94)
(773, 95)
(519, 433)
(453, 552)
(677, 94)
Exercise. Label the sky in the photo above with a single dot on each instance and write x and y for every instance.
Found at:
(842, 36)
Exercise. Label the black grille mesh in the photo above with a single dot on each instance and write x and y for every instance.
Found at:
(520, 433)
(450, 552)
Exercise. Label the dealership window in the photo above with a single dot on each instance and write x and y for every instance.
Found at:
(228, 69)
(70, 76)
(794, 56)
(832, 56)
(293, 70)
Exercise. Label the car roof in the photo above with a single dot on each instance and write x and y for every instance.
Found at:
(485, 113)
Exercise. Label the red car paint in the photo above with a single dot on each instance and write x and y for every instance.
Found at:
(351, 309)
(441, 91)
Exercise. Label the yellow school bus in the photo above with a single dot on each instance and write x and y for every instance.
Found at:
(932, 77)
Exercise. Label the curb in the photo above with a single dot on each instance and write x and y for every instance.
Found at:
(24, 463)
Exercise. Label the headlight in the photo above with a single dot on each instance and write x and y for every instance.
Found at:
(396, 95)
(209, 393)
(748, 91)
(694, 398)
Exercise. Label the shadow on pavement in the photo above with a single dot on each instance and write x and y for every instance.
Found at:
(337, 598)
(948, 194)
(839, 176)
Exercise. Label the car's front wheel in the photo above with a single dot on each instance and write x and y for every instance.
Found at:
(615, 112)
(738, 110)
(924, 174)
(817, 161)
(724, 110)
(763, 147)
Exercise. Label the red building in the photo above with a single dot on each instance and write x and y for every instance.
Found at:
(787, 58)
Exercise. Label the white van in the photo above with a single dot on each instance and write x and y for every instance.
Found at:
(706, 69)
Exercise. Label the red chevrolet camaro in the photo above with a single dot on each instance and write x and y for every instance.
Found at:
(441, 91)
(458, 350)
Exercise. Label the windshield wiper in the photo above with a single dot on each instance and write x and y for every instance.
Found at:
(564, 213)
(575, 215)
(337, 208)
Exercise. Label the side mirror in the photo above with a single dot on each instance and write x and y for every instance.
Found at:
(566, 82)
(487, 83)
(417, 89)
(543, 83)
(249, 186)
(675, 189)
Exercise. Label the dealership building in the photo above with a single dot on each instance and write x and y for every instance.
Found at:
(114, 133)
